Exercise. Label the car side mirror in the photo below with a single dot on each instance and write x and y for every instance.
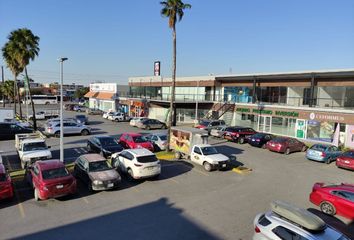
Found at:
(49, 147)
(232, 158)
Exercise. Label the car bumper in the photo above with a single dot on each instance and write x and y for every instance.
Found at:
(64, 192)
(255, 143)
(275, 149)
(106, 185)
(315, 158)
(221, 165)
(148, 174)
(6, 193)
(345, 165)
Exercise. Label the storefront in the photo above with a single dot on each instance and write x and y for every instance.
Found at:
(329, 127)
(103, 96)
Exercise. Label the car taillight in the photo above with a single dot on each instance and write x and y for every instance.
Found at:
(237, 135)
(323, 154)
(257, 230)
(258, 140)
(137, 165)
(50, 128)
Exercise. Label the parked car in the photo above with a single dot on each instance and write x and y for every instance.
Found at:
(346, 160)
(107, 114)
(208, 157)
(82, 119)
(286, 222)
(334, 198)
(151, 124)
(323, 153)
(238, 134)
(104, 145)
(79, 108)
(50, 179)
(208, 124)
(135, 120)
(53, 129)
(9, 130)
(259, 139)
(137, 163)
(94, 111)
(285, 145)
(218, 131)
(69, 106)
(6, 188)
(116, 116)
(159, 141)
(96, 172)
(135, 140)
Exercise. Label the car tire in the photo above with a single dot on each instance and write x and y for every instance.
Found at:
(328, 208)
(178, 155)
(241, 140)
(57, 134)
(147, 127)
(264, 146)
(207, 166)
(85, 132)
(287, 151)
(303, 149)
(130, 174)
(36, 195)
(328, 161)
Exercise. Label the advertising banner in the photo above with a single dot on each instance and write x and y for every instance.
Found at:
(349, 141)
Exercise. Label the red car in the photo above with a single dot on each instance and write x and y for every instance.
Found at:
(6, 188)
(285, 145)
(238, 134)
(50, 179)
(346, 160)
(135, 140)
(334, 199)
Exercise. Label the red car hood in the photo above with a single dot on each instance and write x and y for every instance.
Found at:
(201, 126)
(143, 144)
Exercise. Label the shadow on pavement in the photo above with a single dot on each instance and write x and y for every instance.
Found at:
(153, 220)
(336, 223)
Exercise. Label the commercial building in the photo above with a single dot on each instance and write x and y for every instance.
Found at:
(311, 105)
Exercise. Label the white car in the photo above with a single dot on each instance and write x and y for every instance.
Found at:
(207, 156)
(107, 114)
(116, 116)
(137, 163)
(135, 120)
(160, 140)
(69, 127)
(286, 221)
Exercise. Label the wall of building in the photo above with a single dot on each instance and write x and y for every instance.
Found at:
(295, 96)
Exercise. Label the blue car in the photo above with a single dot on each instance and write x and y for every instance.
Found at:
(323, 153)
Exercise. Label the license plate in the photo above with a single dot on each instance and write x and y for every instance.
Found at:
(59, 186)
(110, 185)
(224, 165)
(346, 161)
(273, 145)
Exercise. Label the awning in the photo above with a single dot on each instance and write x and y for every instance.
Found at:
(100, 95)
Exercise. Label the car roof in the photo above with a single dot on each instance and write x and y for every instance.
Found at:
(140, 152)
(203, 145)
(133, 134)
(93, 157)
(50, 164)
(342, 186)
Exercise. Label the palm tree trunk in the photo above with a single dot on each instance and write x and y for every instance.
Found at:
(172, 100)
(30, 95)
(14, 98)
(19, 99)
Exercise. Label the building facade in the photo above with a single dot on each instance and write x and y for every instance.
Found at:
(312, 106)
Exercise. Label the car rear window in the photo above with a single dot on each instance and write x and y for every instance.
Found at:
(163, 138)
(349, 154)
(319, 147)
(147, 159)
(2, 177)
(140, 139)
(55, 173)
(204, 123)
(279, 140)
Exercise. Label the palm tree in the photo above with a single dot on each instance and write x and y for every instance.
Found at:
(8, 52)
(173, 10)
(8, 89)
(26, 49)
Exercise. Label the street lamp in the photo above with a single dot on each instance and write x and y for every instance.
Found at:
(196, 105)
(61, 60)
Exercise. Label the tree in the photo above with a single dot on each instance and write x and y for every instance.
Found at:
(26, 49)
(173, 10)
(9, 52)
(8, 89)
(80, 93)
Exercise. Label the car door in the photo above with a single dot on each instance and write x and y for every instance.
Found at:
(344, 201)
(335, 152)
(196, 156)
(130, 142)
(35, 176)
(96, 145)
(124, 161)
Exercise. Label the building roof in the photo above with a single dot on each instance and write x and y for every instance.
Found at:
(100, 95)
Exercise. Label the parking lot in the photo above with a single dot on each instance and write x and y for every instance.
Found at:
(185, 202)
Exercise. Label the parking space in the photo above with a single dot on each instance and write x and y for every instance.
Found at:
(185, 202)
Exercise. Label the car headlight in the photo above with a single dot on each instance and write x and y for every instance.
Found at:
(97, 182)
(214, 162)
(26, 158)
(139, 146)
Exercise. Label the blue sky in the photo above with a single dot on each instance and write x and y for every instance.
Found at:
(111, 40)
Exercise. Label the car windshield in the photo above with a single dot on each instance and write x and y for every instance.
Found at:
(204, 123)
(319, 147)
(258, 135)
(163, 137)
(81, 116)
(55, 173)
(99, 166)
(2, 177)
(34, 146)
(147, 159)
(349, 154)
(108, 142)
(279, 140)
(209, 150)
(139, 139)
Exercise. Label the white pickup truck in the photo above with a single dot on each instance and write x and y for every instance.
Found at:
(41, 115)
(31, 147)
(208, 157)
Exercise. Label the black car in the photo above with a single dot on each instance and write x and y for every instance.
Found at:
(104, 145)
(259, 139)
(81, 119)
(8, 130)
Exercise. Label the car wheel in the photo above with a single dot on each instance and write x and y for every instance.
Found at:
(303, 149)
(178, 155)
(207, 166)
(241, 140)
(328, 161)
(147, 127)
(57, 134)
(164, 127)
(131, 175)
(85, 132)
(328, 208)
(287, 151)
(264, 146)
(36, 194)
(89, 187)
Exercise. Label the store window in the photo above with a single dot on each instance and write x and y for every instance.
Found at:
(320, 131)
(247, 120)
(283, 126)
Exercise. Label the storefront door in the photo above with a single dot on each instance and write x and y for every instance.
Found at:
(265, 124)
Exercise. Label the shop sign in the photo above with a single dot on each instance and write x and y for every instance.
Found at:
(268, 112)
(286, 114)
(300, 128)
(243, 110)
(326, 117)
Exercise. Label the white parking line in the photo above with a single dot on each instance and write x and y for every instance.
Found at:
(83, 150)
(77, 150)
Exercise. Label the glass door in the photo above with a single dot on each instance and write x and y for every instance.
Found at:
(265, 124)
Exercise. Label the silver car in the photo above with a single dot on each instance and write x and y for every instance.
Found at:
(286, 221)
(159, 140)
(218, 131)
(69, 127)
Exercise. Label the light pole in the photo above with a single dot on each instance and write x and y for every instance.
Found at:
(196, 105)
(61, 60)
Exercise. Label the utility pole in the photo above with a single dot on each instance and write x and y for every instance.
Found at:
(3, 82)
